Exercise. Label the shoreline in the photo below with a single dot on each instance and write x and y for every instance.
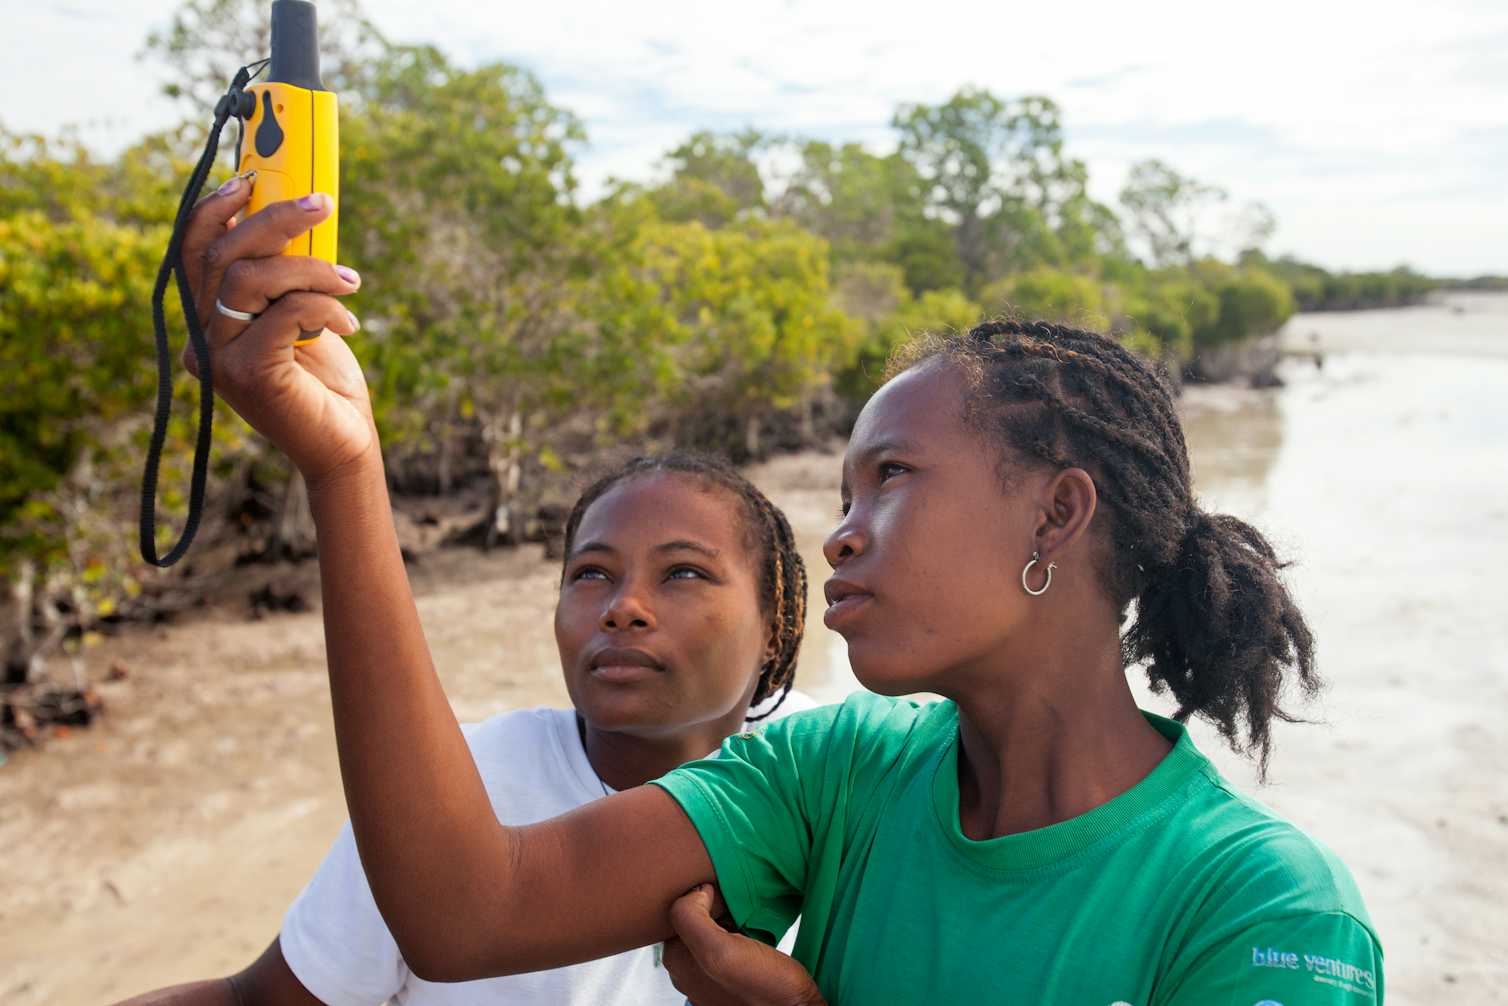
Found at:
(164, 843)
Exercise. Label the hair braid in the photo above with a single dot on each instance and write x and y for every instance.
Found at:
(790, 612)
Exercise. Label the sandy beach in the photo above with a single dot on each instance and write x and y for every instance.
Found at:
(164, 843)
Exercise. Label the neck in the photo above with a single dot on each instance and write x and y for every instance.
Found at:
(623, 760)
(1046, 736)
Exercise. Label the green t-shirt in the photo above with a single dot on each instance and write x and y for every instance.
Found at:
(1178, 891)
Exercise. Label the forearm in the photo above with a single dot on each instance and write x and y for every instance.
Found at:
(429, 841)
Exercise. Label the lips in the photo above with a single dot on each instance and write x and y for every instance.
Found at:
(623, 664)
(837, 590)
(845, 599)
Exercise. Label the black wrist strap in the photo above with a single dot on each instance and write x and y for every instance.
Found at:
(231, 103)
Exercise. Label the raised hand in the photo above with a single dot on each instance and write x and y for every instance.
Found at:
(311, 401)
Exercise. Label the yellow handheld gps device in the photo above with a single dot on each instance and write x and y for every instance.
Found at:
(290, 137)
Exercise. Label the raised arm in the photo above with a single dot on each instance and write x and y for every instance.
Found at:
(464, 896)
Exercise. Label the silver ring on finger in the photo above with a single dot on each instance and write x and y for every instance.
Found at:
(231, 312)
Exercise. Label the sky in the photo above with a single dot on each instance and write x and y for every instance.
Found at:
(1377, 132)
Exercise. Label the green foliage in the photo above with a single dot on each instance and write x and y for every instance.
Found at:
(997, 172)
(455, 207)
(753, 327)
(62, 180)
(1165, 209)
(1164, 309)
(870, 291)
(933, 311)
(937, 311)
(928, 256)
(724, 300)
(871, 208)
(1314, 289)
(1483, 282)
(1048, 294)
(72, 320)
(1251, 302)
(80, 244)
(713, 179)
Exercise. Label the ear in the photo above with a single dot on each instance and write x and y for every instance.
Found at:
(1068, 503)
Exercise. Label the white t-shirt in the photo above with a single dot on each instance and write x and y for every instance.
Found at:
(534, 768)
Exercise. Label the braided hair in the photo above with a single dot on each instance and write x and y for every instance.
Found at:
(767, 533)
(1214, 623)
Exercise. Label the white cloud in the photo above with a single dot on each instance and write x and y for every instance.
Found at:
(1343, 116)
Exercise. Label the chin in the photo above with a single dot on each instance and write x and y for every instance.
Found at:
(623, 713)
(636, 711)
(884, 674)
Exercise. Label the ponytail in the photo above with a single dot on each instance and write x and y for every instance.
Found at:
(1218, 628)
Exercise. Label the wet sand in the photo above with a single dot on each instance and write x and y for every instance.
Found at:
(163, 844)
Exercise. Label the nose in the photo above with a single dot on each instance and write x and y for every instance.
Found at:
(626, 610)
(847, 540)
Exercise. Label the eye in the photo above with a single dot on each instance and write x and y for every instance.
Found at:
(685, 573)
(890, 469)
(588, 573)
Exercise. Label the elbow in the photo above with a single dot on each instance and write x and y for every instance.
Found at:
(440, 963)
(463, 941)
(448, 960)
(437, 970)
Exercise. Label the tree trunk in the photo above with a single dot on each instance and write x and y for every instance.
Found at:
(446, 476)
(752, 430)
(504, 443)
(56, 629)
(18, 643)
(295, 535)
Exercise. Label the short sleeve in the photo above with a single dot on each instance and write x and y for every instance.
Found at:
(333, 936)
(1315, 959)
(749, 807)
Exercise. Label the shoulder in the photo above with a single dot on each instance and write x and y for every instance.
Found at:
(1252, 884)
(865, 737)
(501, 735)
(1276, 857)
(862, 716)
(1246, 865)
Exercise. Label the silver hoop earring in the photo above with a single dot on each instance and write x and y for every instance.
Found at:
(1050, 567)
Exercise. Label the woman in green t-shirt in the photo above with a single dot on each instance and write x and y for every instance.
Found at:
(1034, 838)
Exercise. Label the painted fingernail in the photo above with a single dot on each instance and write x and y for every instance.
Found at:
(231, 185)
(348, 274)
(313, 201)
(354, 323)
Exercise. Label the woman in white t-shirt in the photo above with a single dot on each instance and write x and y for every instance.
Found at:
(682, 604)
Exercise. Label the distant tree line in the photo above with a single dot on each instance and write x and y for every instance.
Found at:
(746, 300)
